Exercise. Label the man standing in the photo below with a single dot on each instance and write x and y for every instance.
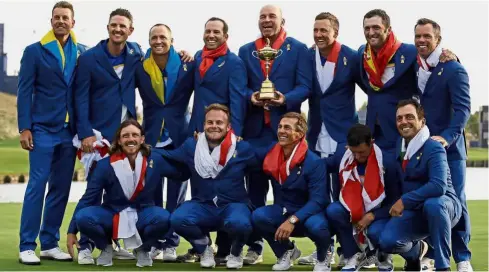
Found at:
(444, 91)
(218, 163)
(300, 190)
(369, 187)
(46, 125)
(128, 177)
(427, 194)
(292, 76)
(162, 74)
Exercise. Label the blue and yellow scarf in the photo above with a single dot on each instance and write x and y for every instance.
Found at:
(157, 81)
(66, 55)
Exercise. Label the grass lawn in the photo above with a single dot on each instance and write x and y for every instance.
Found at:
(9, 240)
(14, 160)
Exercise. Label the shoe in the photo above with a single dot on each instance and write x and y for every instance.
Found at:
(427, 264)
(369, 261)
(353, 263)
(56, 254)
(207, 258)
(189, 257)
(341, 261)
(221, 260)
(324, 265)
(123, 254)
(252, 257)
(105, 257)
(234, 262)
(309, 259)
(287, 260)
(464, 266)
(143, 258)
(170, 254)
(29, 257)
(416, 264)
(85, 257)
(385, 263)
(156, 254)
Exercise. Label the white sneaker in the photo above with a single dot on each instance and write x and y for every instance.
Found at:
(252, 258)
(322, 266)
(123, 254)
(386, 265)
(309, 259)
(207, 258)
(85, 257)
(351, 264)
(287, 260)
(105, 257)
(170, 254)
(143, 258)
(464, 266)
(56, 254)
(29, 257)
(427, 264)
(156, 254)
(234, 262)
(341, 261)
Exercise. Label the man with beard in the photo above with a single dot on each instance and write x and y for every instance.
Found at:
(428, 206)
(218, 163)
(160, 76)
(444, 91)
(292, 76)
(128, 177)
(46, 125)
(369, 187)
(298, 180)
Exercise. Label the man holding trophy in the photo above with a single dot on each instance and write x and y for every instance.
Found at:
(279, 80)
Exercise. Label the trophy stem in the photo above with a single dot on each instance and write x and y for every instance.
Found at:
(267, 67)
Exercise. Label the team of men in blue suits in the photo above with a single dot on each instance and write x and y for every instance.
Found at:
(367, 185)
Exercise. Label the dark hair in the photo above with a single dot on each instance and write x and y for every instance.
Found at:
(117, 148)
(121, 12)
(359, 134)
(386, 20)
(328, 16)
(64, 4)
(225, 27)
(167, 27)
(426, 21)
(301, 125)
(415, 103)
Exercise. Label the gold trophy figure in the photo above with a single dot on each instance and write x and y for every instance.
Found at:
(267, 53)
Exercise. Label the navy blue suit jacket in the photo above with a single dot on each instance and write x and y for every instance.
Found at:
(43, 97)
(100, 94)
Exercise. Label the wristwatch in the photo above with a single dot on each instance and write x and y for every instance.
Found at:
(293, 219)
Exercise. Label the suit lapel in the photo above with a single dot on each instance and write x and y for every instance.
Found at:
(294, 174)
(129, 61)
(340, 70)
(219, 63)
(147, 180)
(53, 63)
(433, 79)
(401, 64)
(276, 63)
(103, 60)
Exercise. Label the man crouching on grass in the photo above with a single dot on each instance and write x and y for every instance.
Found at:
(129, 177)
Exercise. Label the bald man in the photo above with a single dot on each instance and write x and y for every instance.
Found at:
(291, 73)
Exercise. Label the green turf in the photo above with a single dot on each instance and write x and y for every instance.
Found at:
(478, 154)
(9, 240)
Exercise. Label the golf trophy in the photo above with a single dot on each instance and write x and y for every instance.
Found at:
(267, 54)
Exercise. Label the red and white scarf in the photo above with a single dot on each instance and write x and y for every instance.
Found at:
(209, 56)
(424, 72)
(101, 150)
(209, 164)
(132, 184)
(326, 73)
(375, 64)
(414, 145)
(276, 165)
(360, 196)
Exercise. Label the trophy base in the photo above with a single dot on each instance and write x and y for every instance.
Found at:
(267, 91)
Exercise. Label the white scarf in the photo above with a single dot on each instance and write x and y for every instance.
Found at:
(206, 162)
(416, 143)
(325, 74)
(424, 70)
(87, 159)
(129, 217)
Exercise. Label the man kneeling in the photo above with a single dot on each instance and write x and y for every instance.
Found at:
(218, 164)
(300, 196)
(129, 177)
(428, 206)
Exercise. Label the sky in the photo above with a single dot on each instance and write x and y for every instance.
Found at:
(464, 26)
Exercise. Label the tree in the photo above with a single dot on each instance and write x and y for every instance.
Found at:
(473, 124)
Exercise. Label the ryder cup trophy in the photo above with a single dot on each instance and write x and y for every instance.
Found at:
(267, 54)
